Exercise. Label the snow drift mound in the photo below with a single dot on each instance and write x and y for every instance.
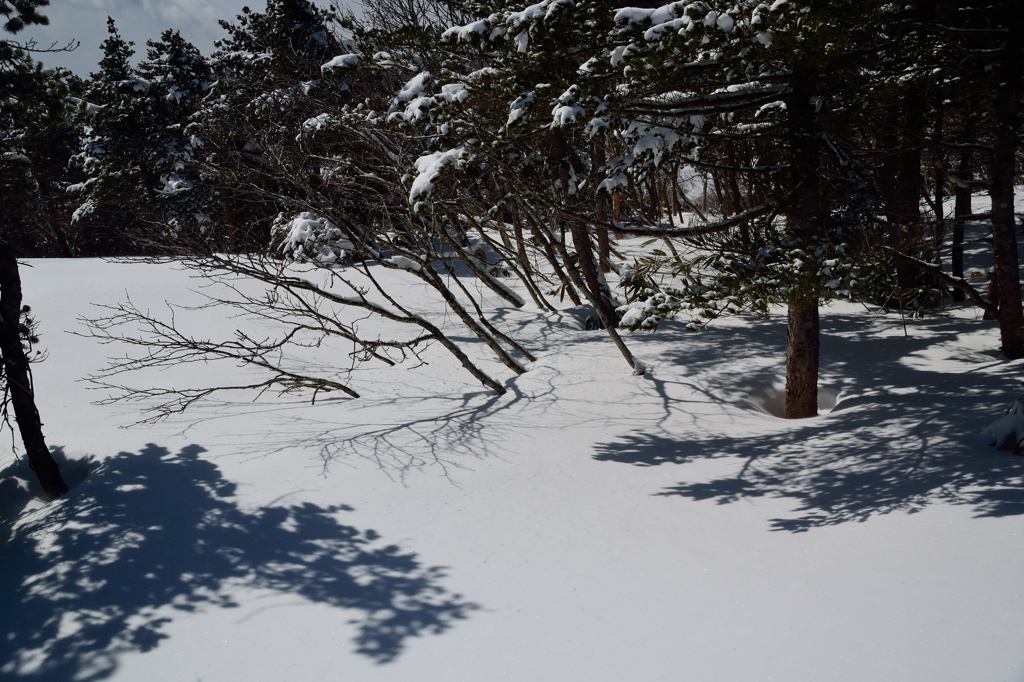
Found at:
(772, 400)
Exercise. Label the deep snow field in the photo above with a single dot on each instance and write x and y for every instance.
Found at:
(589, 525)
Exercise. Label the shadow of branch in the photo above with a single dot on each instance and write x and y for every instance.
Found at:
(905, 439)
(102, 571)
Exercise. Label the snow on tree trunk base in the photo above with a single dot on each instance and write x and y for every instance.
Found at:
(772, 400)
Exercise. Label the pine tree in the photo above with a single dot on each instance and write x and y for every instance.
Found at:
(265, 69)
(179, 79)
(507, 103)
(780, 80)
(122, 142)
(21, 13)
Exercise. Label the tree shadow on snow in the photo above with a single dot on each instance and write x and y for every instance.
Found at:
(904, 436)
(20, 489)
(100, 572)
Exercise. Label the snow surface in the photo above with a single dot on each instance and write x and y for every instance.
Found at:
(589, 525)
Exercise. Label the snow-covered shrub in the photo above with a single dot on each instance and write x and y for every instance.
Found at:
(308, 237)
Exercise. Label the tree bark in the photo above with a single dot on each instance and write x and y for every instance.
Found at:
(19, 379)
(601, 203)
(591, 275)
(592, 283)
(905, 209)
(939, 177)
(803, 215)
(802, 346)
(962, 208)
(1006, 271)
(617, 211)
(962, 196)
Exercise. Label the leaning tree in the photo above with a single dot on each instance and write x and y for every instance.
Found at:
(23, 96)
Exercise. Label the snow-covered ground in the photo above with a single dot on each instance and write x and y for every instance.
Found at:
(589, 525)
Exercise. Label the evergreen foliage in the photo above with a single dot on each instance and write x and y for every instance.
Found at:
(776, 154)
(21, 13)
(118, 150)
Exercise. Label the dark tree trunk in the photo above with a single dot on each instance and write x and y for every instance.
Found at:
(594, 288)
(804, 219)
(19, 380)
(734, 189)
(1006, 273)
(733, 179)
(654, 206)
(604, 246)
(149, 182)
(903, 204)
(617, 211)
(802, 344)
(591, 276)
(718, 192)
(962, 197)
(601, 204)
(501, 217)
(939, 176)
(962, 208)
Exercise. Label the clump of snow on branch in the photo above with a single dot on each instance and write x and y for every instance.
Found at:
(343, 61)
(415, 96)
(657, 15)
(566, 111)
(617, 170)
(698, 20)
(513, 26)
(428, 169)
(83, 211)
(518, 108)
(656, 142)
(417, 100)
(541, 10)
(405, 263)
(309, 237)
(311, 126)
(135, 84)
(173, 184)
(465, 33)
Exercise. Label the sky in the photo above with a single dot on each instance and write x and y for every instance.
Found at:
(85, 21)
